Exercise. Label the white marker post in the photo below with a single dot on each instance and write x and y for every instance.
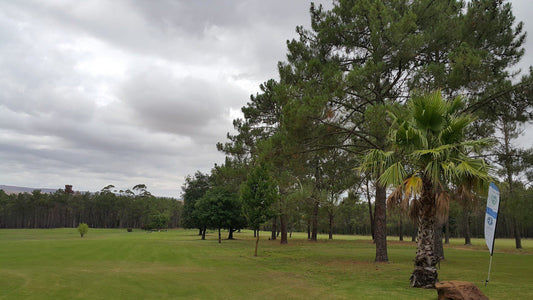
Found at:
(491, 217)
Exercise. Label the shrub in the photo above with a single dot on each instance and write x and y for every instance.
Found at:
(159, 220)
(83, 228)
(130, 229)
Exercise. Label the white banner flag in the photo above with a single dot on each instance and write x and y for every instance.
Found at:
(491, 216)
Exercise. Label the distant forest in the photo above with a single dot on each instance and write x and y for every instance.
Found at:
(137, 208)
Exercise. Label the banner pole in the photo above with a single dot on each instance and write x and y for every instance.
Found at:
(490, 265)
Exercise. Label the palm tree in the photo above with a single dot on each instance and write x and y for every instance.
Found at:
(429, 154)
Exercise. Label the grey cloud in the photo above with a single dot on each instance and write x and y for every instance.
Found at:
(250, 34)
(63, 122)
(39, 80)
(183, 106)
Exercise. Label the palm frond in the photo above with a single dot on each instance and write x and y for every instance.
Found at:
(453, 132)
(375, 161)
(448, 169)
(463, 194)
(414, 210)
(476, 144)
(440, 152)
(433, 170)
(406, 136)
(472, 168)
(393, 175)
(436, 152)
(413, 186)
(395, 198)
(455, 105)
(429, 111)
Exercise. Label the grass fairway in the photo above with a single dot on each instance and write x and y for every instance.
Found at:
(115, 264)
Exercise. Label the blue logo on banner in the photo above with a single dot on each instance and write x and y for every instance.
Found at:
(492, 213)
(490, 221)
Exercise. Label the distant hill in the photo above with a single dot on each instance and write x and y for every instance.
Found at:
(9, 189)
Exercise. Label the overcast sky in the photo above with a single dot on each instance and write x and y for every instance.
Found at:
(126, 92)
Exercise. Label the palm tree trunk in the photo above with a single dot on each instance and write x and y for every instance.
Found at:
(425, 272)
(439, 248)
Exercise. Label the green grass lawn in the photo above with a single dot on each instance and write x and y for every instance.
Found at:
(115, 264)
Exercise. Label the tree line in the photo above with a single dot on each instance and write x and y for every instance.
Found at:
(350, 215)
(135, 208)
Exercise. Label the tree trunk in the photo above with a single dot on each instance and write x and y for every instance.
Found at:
(308, 229)
(255, 233)
(447, 232)
(283, 225)
(467, 227)
(439, 248)
(401, 228)
(230, 235)
(330, 226)
(274, 223)
(314, 232)
(256, 242)
(425, 272)
(509, 168)
(370, 211)
(380, 226)
(200, 231)
(203, 233)
(219, 237)
(517, 237)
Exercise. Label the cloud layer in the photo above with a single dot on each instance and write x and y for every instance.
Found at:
(125, 92)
